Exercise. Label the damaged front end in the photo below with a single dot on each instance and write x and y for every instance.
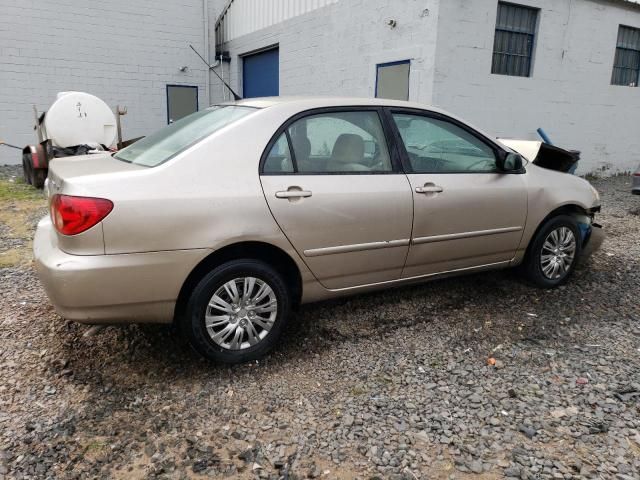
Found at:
(551, 157)
(545, 155)
(592, 233)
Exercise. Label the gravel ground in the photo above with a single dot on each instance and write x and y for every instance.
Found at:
(391, 385)
(12, 172)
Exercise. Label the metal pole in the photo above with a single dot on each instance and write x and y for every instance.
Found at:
(120, 111)
(9, 145)
(207, 80)
(224, 91)
(544, 136)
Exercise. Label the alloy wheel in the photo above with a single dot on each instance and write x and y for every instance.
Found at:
(241, 313)
(558, 252)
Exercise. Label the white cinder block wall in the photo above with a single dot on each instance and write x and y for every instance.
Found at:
(125, 52)
(334, 51)
(569, 93)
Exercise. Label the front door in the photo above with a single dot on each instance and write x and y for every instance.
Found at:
(467, 214)
(338, 195)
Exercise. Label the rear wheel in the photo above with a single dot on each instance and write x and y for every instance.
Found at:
(236, 313)
(553, 253)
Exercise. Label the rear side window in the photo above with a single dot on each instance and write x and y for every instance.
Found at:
(332, 142)
(279, 159)
(437, 146)
(167, 142)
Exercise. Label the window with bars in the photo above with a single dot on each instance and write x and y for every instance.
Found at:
(626, 65)
(514, 40)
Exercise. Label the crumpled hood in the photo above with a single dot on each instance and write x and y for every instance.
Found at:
(543, 154)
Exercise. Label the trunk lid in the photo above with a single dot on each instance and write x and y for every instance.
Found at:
(63, 171)
(78, 176)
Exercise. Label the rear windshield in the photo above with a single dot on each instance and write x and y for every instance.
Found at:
(173, 139)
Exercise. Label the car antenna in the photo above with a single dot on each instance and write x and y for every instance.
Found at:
(235, 95)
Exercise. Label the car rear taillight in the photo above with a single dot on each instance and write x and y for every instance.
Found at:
(72, 215)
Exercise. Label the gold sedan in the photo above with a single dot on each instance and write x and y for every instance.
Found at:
(227, 219)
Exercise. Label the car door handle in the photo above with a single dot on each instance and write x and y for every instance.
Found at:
(293, 194)
(429, 188)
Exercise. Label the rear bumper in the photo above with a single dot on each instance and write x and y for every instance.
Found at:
(108, 289)
(594, 242)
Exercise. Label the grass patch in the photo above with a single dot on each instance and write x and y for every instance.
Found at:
(16, 190)
(96, 449)
(20, 207)
(13, 257)
(358, 390)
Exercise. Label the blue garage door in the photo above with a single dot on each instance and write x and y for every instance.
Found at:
(260, 74)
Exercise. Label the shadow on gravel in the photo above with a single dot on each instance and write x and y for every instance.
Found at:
(480, 311)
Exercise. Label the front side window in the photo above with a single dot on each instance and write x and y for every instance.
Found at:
(437, 146)
(514, 40)
(167, 142)
(340, 142)
(626, 65)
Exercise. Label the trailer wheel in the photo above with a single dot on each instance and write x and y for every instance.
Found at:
(27, 168)
(38, 176)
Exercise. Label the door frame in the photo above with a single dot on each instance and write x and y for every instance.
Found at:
(181, 86)
(392, 147)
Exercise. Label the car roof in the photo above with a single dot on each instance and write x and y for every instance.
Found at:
(306, 102)
(303, 103)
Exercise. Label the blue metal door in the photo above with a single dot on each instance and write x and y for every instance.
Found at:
(260, 74)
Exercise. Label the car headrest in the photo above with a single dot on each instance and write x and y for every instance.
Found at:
(349, 148)
(301, 147)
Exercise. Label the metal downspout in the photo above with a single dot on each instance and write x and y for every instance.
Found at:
(207, 56)
(207, 80)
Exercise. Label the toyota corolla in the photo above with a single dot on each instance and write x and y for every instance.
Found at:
(228, 219)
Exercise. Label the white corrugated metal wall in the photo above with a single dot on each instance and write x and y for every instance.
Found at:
(241, 17)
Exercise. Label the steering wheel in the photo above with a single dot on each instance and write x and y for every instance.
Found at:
(375, 158)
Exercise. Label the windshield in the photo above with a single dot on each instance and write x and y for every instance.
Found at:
(173, 139)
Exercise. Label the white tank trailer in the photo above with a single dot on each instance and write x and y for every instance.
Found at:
(77, 123)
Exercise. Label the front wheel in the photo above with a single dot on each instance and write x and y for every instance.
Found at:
(553, 253)
(237, 312)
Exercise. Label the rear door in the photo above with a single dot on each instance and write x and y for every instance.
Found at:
(466, 213)
(335, 187)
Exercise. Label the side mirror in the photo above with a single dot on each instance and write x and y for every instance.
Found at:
(511, 162)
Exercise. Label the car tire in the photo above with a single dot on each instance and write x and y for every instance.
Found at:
(539, 267)
(212, 326)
